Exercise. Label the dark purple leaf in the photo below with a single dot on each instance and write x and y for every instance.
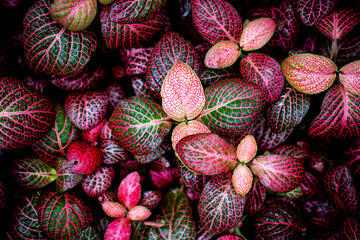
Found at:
(140, 87)
(66, 179)
(209, 76)
(112, 152)
(255, 198)
(159, 164)
(164, 178)
(309, 185)
(88, 233)
(137, 60)
(98, 182)
(352, 157)
(155, 154)
(85, 159)
(116, 93)
(38, 83)
(310, 12)
(317, 162)
(293, 151)
(151, 199)
(350, 229)
(2, 195)
(191, 180)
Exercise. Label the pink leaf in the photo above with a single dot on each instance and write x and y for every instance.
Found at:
(242, 179)
(182, 93)
(223, 54)
(129, 192)
(98, 182)
(93, 134)
(114, 209)
(309, 73)
(312, 11)
(247, 148)
(164, 178)
(119, 229)
(139, 213)
(85, 159)
(257, 33)
(350, 77)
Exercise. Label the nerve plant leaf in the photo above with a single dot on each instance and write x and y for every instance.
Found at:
(75, 15)
(310, 12)
(185, 129)
(85, 159)
(164, 147)
(139, 124)
(119, 229)
(195, 182)
(207, 153)
(351, 157)
(350, 77)
(151, 199)
(242, 179)
(255, 198)
(216, 20)
(257, 33)
(223, 54)
(247, 149)
(177, 215)
(98, 182)
(112, 152)
(182, 93)
(66, 179)
(129, 191)
(350, 228)
(138, 213)
(309, 73)
(114, 209)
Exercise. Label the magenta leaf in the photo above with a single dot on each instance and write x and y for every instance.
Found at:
(231, 106)
(171, 48)
(177, 215)
(339, 117)
(25, 114)
(288, 111)
(88, 233)
(131, 35)
(66, 179)
(137, 60)
(116, 93)
(310, 12)
(106, 133)
(209, 76)
(85, 159)
(164, 178)
(140, 87)
(349, 77)
(265, 72)
(63, 216)
(45, 41)
(347, 49)
(230, 237)
(216, 20)
(129, 191)
(151, 199)
(139, 124)
(98, 182)
(338, 23)
(351, 157)
(193, 181)
(164, 147)
(309, 185)
(159, 164)
(309, 73)
(350, 228)
(207, 153)
(222, 55)
(112, 152)
(119, 229)
(255, 198)
(32, 173)
(135, 11)
(338, 183)
(277, 172)
(293, 151)
(55, 142)
(92, 135)
(220, 207)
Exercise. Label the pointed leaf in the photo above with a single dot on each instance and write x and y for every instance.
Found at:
(350, 77)
(129, 191)
(73, 15)
(32, 173)
(66, 179)
(231, 106)
(242, 179)
(112, 152)
(339, 117)
(155, 154)
(255, 198)
(265, 72)
(207, 153)
(277, 172)
(151, 199)
(98, 182)
(119, 229)
(293, 151)
(45, 42)
(310, 12)
(338, 23)
(288, 111)
(209, 76)
(114, 209)
(85, 159)
(140, 125)
(139, 213)
(223, 54)
(177, 215)
(309, 73)
(257, 33)
(309, 185)
(247, 149)
(185, 129)
(220, 207)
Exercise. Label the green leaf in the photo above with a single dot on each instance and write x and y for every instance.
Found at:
(88, 233)
(66, 179)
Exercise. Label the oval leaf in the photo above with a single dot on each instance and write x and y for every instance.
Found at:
(98, 182)
(139, 124)
(193, 181)
(114, 209)
(85, 159)
(151, 199)
(129, 191)
(350, 229)
(185, 129)
(165, 177)
(310, 12)
(242, 179)
(66, 179)
(309, 73)
(119, 229)
(209, 76)
(277, 172)
(350, 77)
(139, 213)
(112, 152)
(155, 154)
(223, 54)
(255, 198)
(182, 93)
(257, 33)
(247, 149)
(207, 153)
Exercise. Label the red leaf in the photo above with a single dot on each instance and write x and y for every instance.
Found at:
(223, 54)
(93, 134)
(151, 199)
(85, 159)
(129, 191)
(242, 179)
(139, 213)
(119, 229)
(114, 209)
(350, 77)
(247, 148)
(164, 178)
(257, 33)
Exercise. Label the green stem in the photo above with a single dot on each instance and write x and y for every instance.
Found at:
(239, 234)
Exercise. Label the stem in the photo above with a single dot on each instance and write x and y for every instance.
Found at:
(239, 234)
(154, 224)
(334, 50)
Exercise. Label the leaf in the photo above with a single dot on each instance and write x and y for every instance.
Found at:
(230, 237)
(177, 215)
(155, 154)
(338, 23)
(231, 106)
(73, 15)
(88, 233)
(135, 11)
(93, 134)
(209, 76)
(114, 209)
(63, 216)
(140, 87)
(139, 124)
(98, 182)
(311, 12)
(116, 93)
(350, 76)
(265, 72)
(257, 33)
(185, 129)
(107, 196)
(216, 20)
(47, 44)
(85, 159)
(309, 73)
(288, 111)
(129, 191)
(223, 54)
(193, 181)
(242, 179)
(351, 157)
(348, 49)
(293, 151)
(309, 185)
(151, 199)
(171, 48)
(255, 198)
(247, 149)
(277, 172)
(350, 229)
(338, 183)
(159, 164)
(112, 152)
(182, 93)
(137, 60)
(66, 179)
(165, 177)
(139, 213)
(86, 110)
(119, 229)
(106, 133)
(32, 173)
(132, 35)
(296, 193)
(25, 114)
(55, 142)
(207, 153)
(220, 207)
(339, 117)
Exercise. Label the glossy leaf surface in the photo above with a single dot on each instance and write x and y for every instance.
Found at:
(119, 229)
(129, 191)
(350, 77)
(310, 12)
(223, 54)
(257, 33)
(66, 179)
(185, 129)
(98, 182)
(242, 179)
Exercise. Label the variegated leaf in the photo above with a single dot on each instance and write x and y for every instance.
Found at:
(129, 191)
(310, 12)
(164, 147)
(66, 179)
(210, 76)
(98, 182)
(151, 199)
(114, 209)
(185, 129)
(112, 152)
(119, 229)
(242, 179)
(255, 199)
(350, 77)
(195, 182)
(223, 54)
(247, 149)
(138, 213)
